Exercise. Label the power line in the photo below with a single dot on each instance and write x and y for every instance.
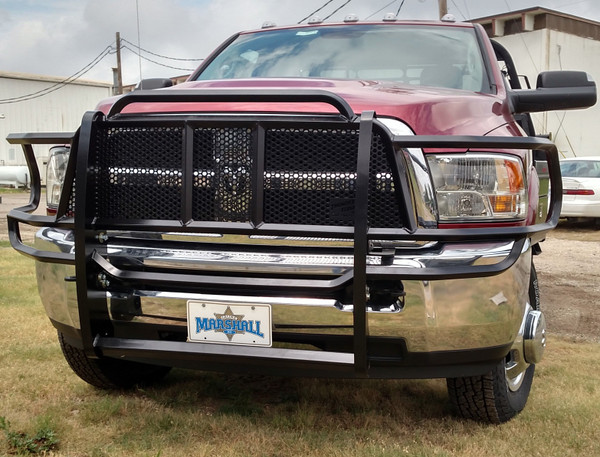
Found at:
(458, 9)
(60, 84)
(155, 62)
(382, 8)
(544, 125)
(467, 9)
(159, 55)
(399, 8)
(315, 11)
(336, 10)
(137, 15)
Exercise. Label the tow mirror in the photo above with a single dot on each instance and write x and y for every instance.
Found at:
(153, 83)
(556, 90)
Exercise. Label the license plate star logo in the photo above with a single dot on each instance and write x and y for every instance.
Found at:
(229, 324)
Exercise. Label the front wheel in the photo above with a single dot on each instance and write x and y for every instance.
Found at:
(108, 373)
(498, 395)
(494, 397)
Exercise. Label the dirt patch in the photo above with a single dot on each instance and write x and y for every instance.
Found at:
(568, 271)
(12, 200)
(569, 276)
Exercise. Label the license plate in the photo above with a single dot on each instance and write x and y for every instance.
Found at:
(229, 323)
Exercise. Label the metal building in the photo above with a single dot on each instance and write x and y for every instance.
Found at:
(540, 39)
(33, 103)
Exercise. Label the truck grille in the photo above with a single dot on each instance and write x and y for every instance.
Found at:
(282, 176)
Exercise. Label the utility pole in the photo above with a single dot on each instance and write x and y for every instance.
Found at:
(443, 7)
(119, 73)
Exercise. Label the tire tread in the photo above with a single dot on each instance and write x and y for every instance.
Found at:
(107, 373)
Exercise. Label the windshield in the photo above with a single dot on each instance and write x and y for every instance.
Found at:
(415, 54)
(580, 168)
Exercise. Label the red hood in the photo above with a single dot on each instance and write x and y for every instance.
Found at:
(428, 111)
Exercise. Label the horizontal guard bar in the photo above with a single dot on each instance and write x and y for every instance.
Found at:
(373, 272)
(454, 272)
(469, 142)
(446, 234)
(173, 279)
(113, 346)
(234, 96)
(22, 215)
(41, 138)
(14, 236)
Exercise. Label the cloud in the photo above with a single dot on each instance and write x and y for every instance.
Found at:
(59, 37)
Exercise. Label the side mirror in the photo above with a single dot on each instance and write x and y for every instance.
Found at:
(153, 83)
(556, 90)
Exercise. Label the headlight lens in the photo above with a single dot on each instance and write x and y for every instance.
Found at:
(55, 174)
(478, 187)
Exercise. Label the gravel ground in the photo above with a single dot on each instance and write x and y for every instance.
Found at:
(569, 276)
(568, 272)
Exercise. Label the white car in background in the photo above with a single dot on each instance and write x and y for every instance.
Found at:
(581, 187)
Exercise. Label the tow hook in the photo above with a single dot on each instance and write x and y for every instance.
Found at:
(534, 337)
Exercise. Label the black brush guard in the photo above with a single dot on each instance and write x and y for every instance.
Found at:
(85, 212)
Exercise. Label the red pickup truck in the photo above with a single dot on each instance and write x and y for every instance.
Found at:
(356, 199)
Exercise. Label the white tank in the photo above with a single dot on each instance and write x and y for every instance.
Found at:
(14, 175)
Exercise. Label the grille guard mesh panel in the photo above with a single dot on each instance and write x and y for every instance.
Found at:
(309, 174)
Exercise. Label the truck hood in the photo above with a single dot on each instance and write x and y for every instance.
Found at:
(427, 110)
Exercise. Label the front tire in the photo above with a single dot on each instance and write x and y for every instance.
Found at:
(489, 398)
(495, 397)
(108, 373)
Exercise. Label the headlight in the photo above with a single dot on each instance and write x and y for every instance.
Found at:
(478, 187)
(55, 175)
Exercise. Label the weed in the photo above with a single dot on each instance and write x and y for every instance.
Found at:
(43, 441)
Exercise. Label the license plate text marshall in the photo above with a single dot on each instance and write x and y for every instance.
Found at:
(229, 323)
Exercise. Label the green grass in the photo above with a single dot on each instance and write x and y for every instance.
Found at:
(210, 414)
(12, 190)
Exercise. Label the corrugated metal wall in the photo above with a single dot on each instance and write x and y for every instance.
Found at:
(541, 50)
(554, 41)
(58, 111)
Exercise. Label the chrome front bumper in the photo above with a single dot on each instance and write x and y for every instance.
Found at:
(430, 316)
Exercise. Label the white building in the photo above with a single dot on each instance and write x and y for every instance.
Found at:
(32, 103)
(539, 40)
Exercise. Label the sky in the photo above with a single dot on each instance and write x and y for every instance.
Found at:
(67, 38)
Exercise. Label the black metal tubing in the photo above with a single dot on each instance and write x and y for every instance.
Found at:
(234, 96)
(22, 214)
(90, 258)
(40, 138)
(256, 227)
(361, 242)
(405, 233)
(92, 308)
(477, 144)
(197, 281)
(26, 140)
(276, 361)
(181, 280)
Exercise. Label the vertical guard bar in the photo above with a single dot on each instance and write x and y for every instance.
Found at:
(63, 204)
(258, 176)
(35, 181)
(84, 206)
(361, 206)
(34, 195)
(187, 176)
